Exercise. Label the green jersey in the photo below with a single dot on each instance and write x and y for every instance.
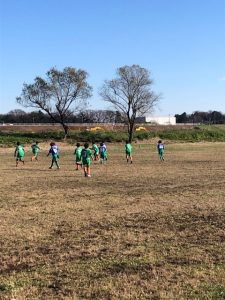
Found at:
(35, 148)
(77, 153)
(95, 148)
(86, 155)
(128, 148)
(20, 151)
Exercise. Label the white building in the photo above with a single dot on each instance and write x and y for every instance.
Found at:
(164, 120)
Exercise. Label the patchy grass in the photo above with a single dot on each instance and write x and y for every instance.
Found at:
(146, 230)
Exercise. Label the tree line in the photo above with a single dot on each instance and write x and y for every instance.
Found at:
(210, 117)
(105, 116)
(86, 116)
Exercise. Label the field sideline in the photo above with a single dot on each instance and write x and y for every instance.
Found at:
(147, 230)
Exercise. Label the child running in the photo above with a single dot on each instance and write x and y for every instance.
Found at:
(161, 148)
(103, 153)
(86, 155)
(128, 151)
(19, 153)
(96, 151)
(77, 153)
(55, 156)
(35, 150)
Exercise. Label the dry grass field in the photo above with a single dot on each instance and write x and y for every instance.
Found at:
(146, 230)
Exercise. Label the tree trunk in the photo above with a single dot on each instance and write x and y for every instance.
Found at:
(66, 130)
(130, 132)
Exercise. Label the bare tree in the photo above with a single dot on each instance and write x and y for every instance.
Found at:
(100, 116)
(130, 93)
(97, 116)
(59, 95)
(17, 112)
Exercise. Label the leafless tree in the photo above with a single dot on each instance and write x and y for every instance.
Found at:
(131, 94)
(102, 116)
(98, 116)
(17, 112)
(59, 95)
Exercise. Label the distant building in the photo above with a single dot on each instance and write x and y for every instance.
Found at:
(165, 120)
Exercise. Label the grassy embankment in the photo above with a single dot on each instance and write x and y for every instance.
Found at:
(191, 134)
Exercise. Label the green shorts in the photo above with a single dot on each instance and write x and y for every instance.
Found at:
(78, 159)
(19, 157)
(103, 155)
(86, 162)
(55, 157)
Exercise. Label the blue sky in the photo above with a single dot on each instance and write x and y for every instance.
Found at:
(182, 43)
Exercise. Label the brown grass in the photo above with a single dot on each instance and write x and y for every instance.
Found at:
(149, 230)
(83, 127)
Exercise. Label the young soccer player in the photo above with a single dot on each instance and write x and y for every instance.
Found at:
(19, 153)
(96, 151)
(128, 151)
(55, 156)
(103, 153)
(161, 148)
(86, 155)
(35, 150)
(77, 153)
(104, 145)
